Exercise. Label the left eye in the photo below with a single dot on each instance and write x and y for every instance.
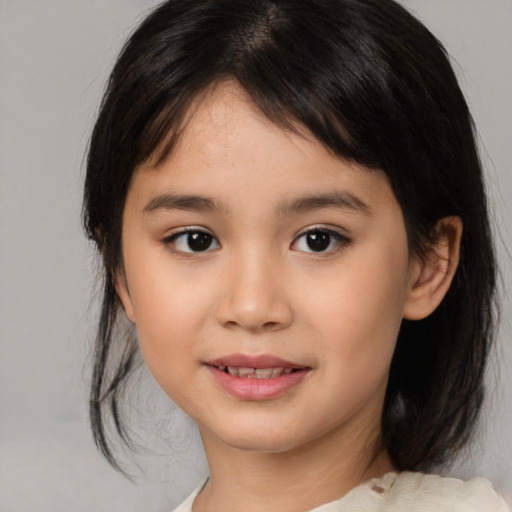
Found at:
(319, 240)
(193, 240)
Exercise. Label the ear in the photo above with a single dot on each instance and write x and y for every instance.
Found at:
(124, 295)
(431, 277)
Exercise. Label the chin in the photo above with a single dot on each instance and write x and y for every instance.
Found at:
(260, 437)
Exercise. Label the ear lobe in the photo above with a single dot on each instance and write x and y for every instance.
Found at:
(124, 295)
(432, 276)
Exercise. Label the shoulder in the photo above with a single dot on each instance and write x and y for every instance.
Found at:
(408, 492)
(419, 492)
(422, 492)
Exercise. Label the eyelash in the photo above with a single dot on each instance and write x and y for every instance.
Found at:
(328, 236)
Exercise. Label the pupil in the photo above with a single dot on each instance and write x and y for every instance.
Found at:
(199, 241)
(318, 241)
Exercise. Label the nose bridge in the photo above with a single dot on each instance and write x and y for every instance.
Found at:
(254, 292)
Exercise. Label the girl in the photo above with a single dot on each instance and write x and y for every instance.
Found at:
(290, 209)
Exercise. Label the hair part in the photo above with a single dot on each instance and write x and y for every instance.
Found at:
(374, 86)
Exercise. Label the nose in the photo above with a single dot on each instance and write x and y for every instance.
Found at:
(254, 295)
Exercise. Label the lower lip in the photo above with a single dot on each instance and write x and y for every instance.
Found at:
(257, 389)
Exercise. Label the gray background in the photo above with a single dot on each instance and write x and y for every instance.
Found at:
(54, 58)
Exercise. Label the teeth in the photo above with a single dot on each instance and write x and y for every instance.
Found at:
(244, 372)
(256, 373)
(264, 373)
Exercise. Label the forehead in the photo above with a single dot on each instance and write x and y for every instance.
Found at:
(222, 118)
(228, 148)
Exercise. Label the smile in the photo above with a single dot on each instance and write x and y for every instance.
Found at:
(255, 373)
(256, 377)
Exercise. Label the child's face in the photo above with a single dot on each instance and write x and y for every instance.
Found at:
(291, 254)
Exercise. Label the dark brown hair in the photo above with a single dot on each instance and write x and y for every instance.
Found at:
(373, 85)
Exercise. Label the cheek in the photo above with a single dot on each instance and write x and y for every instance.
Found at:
(169, 311)
(359, 310)
(357, 320)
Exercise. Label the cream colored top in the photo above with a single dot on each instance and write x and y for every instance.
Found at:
(408, 492)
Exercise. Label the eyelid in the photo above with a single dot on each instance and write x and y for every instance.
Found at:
(334, 230)
(187, 229)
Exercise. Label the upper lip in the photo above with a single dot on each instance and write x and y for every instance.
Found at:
(248, 361)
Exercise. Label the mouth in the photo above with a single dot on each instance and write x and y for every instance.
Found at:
(256, 377)
(256, 373)
(263, 366)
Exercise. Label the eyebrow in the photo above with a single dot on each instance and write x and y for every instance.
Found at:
(195, 203)
(341, 200)
(191, 203)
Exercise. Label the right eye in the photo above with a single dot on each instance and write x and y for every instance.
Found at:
(192, 240)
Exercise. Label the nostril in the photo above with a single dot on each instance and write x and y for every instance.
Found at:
(253, 313)
(265, 326)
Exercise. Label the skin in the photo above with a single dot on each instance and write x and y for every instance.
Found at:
(260, 289)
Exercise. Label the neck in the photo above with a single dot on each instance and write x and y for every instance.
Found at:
(295, 480)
